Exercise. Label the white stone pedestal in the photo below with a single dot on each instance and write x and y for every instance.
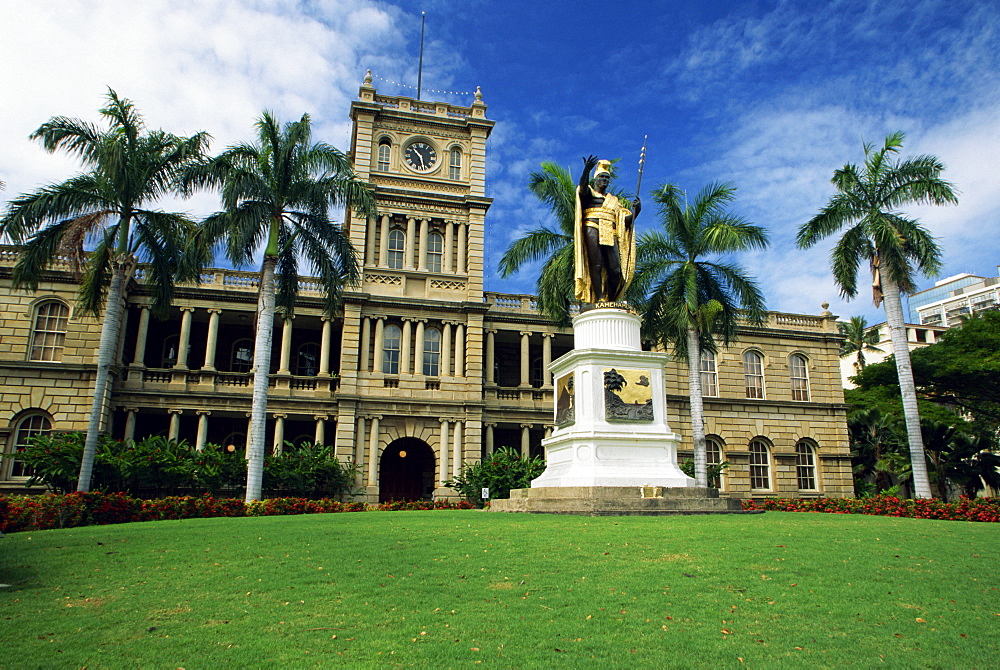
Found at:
(616, 439)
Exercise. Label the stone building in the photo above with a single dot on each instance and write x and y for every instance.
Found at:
(422, 369)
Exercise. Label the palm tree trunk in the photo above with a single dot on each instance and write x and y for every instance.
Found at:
(261, 368)
(110, 330)
(907, 389)
(697, 409)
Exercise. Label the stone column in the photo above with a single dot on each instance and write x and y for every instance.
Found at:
(246, 447)
(459, 350)
(546, 359)
(548, 430)
(202, 438)
(457, 449)
(140, 338)
(463, 237)
(525, 359)
(286, 346)
(370, 241)
(373, 437)
(418, 349)
(449, 239)
(212, 340)
(130, 413)
(525, 440)
(366, 340)
(324, 347)
(184, 340)
(279, 433)
(379, 343)
(445, 348)
(383, 245)
(411, 225)
(359, 443)
(425, 224)
(489, 437)
(320, 436)
(443, 454)
(491, 356)
(175, 423)
(404, 354)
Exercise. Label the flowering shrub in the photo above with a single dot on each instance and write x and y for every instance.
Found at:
(409, 505)
(501, 471)
(966, 509)
(283, 506)
(45, 512)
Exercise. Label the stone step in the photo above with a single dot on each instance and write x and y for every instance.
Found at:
(618, 501)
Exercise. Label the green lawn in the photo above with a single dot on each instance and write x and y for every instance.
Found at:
(456, 589)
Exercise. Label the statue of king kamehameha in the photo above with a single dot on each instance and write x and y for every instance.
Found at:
(604, 237)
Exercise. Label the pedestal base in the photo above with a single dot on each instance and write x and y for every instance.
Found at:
(618, 501)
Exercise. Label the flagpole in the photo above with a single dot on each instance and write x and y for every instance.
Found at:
(420, 65)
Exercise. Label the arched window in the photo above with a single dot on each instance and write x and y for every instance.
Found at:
(800, 377)
(713, 453)
(384, 152)
(26, 428)
(397, 243)
(805, 465)
(392, 339)
(49, 331)
(760, 465)
(169, 357)
(241, 359)
(536, 373)
(307, 361)
(435, 251)
(455, 164)
(709, 376)
(432, 352)
(753, 373)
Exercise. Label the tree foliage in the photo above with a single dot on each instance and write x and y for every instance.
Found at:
(500, 472)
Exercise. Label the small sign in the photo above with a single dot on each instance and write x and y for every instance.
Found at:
(486, 494)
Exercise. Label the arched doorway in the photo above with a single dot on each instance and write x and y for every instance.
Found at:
(406, 471)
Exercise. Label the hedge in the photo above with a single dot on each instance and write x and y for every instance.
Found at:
(965, 509)
(45, 512)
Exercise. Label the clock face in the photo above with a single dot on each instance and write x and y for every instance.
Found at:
(420, 156)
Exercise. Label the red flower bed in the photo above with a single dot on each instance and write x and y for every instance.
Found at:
(409, 505)
(95, 508)
(966, 509)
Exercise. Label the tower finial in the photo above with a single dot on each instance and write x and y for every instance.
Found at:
(479, 94)
(368, 78)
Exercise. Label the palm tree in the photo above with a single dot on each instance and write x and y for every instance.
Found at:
(858, 338)
(105, 208)
(875, 448)
(554, 186)
(689, 299)
(867, 205)
(277, 193)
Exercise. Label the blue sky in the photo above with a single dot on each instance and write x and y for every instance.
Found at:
(772, 96)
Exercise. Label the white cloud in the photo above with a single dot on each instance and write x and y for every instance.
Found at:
(188, 65)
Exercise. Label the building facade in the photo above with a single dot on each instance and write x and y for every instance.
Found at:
(421, 370)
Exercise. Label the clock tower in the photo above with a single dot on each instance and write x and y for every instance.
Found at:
(410, 398)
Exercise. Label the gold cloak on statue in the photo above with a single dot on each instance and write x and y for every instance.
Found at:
(613, 230)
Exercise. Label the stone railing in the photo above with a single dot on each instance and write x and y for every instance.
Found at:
(409, 104)
(511, 302)
(784, 321)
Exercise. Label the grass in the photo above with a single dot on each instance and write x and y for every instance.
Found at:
(457, 589)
